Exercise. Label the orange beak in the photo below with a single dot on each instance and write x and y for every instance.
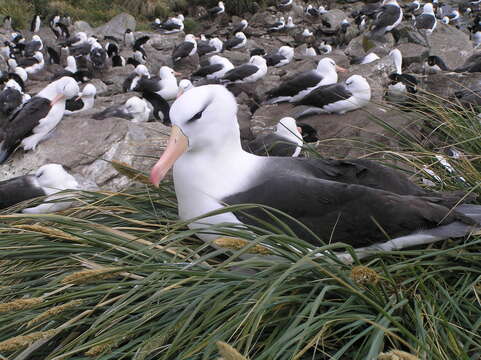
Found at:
(180, 93)
(56, 99)
(177, 145)
(177, 73)
(341, 69)
(299, 129)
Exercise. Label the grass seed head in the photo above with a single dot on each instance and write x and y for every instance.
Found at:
(86, 276)
(19, 304)
(19, 342)
(397, 355)
(238, 244)
(363, 275)
(54, 311)
(228, 352)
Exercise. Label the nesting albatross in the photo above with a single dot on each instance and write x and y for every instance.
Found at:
(37, 118)
(359, 202)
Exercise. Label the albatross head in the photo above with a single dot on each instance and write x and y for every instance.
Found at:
(327, 66)
(359, 87)
(60, 90)
(53, 178)
(204, 119)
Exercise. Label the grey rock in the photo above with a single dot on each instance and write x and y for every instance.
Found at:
(116, 26)
(86, 146)
(451, 44)
(83, 26)
(334, 18)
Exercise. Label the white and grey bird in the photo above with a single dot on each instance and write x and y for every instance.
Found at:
(134, 109)
(217, 10)
(184, 86)
(37, 118)
(336, 200)
(237, 42)
(49, 182)
(140, 72)
(35, 24)
(218, 66)
(278, 25)
(427, 20)
(164, 85)
(286, 140)
(282, 57)
(290, 23)
(187, 48)
(296, 88)
(307, 33)
(387, 19)
(173, 25)
(240, 27)
(339, 98)
(254, 70)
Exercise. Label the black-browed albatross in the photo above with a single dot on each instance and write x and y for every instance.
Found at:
(359, 202)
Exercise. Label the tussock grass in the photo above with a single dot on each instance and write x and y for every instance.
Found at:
(146, 288)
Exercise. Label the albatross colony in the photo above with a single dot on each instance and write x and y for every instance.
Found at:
(295, 68)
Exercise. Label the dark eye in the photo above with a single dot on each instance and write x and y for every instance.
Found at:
(40, 175)
(196, 116)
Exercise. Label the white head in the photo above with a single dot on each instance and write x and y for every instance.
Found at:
(445, 20)
(221, 4)
(428, 9)
(390, 2)
(184, 86)
(217, 43)
(240, 35)
(244, 22)
(306, 32)
(166, 72)
(282, 20)
(258, 61)
(38, 56)
(55, 178)
(190, 38)
(203, 120)
(286, 51)
(358, 85)
(289, 21)
(397, 59)
(287, 127)
(142, 70)
(12, 84)
(202, 37)
(135, 105)
(327, 66)
(89, 90)
(180, 17)
(60, 90)
(157, 21)
(81, 36)
(22, 73)
(36, 38)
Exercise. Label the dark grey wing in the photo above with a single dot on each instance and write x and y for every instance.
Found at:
(425, 21)
(81, 49)
(141, 41)
(113, 111)
(214, 10)
(229, 44)
(340, 212)
(18, 189)
(241, 72)
(74, 104)
(21, 125)
(238, 28)
(182, 50)
(274, 59)
(207, 70)
(10, 99)
(387, 16)
(170, 25)
(325, 95)
(295, 85)
(31, 47)
(472, 64)
(26, 62)
(270, 145)
(145, 84)
(61, 74)
(203, 49)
